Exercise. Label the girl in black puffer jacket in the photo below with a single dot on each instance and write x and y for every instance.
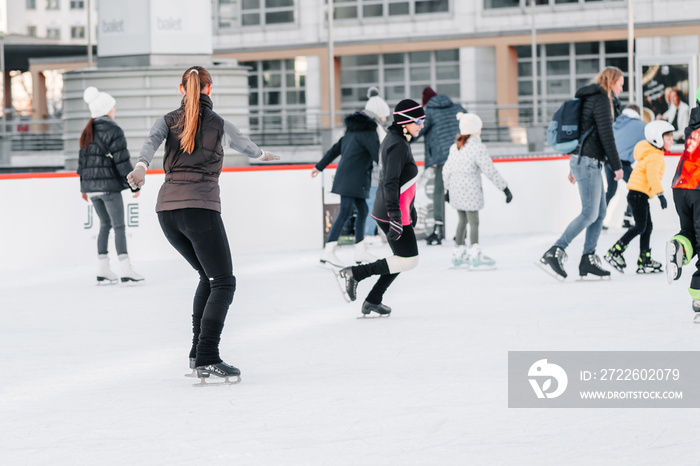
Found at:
(103, 163)
(598, 111)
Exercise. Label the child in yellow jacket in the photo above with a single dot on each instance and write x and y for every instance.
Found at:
(644, 184)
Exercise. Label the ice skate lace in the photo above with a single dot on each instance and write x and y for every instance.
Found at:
(560, 255)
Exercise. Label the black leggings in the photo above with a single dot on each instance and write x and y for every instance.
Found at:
(405, 246)
(687, 203)
(639, 202)
(199, 236)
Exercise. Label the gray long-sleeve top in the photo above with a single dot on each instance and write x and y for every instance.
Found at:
(232, 138)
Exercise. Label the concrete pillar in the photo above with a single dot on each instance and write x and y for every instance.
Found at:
(506, 83)
(40, 110)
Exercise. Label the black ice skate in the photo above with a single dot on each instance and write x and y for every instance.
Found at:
(220, 371)
(553, 262)
(380, 309)
(645, 264)
(696, 309)
(674, 260)
(437, 235)
(590, 265)
(347, 284)
(614, 257)
(192, 366)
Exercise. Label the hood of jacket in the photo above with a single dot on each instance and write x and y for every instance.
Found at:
(644, 149)
(694, 122)
(622, 121)
(359, 121)
(589, 90)
(439, 101)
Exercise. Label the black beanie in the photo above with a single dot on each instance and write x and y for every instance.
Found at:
(407, 109)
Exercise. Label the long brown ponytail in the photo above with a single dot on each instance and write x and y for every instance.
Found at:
(194, 80)
(462, 140)
(606, 79)
(87, 136)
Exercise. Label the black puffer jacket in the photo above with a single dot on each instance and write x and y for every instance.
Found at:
(360, 149)
(596, 111)
(103, 166)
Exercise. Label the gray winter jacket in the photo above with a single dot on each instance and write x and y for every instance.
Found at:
(440, 128)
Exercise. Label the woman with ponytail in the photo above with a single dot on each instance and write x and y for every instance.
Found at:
(599, 109)
(189, 208)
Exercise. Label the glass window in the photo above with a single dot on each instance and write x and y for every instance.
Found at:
(77, 4)
(587, 66)
(277, 17)
(616, 46)
(227, 14)
(371, 11)
(77, 32)
(52, 5)
(587, 48)
(432, 6)
(396, 9)
(31, 31)
(557, 50)
(558, 67)
(53, 33)
(31, 4)
(256, 12)
(489, 4)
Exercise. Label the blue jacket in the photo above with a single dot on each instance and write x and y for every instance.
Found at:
(440, 128)
(628, 132)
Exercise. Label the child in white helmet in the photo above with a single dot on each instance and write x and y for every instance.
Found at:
(644, 183)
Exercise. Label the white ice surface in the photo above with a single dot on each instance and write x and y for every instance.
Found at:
(94, 375)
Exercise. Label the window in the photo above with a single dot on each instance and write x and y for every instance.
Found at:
(52, 5)
(53, 33)
(493, 4)
(358, 9)
(277, 96)
(230, 14)
(77, 32)
(563, 68)
(398, 76)
(31, 4)
(31, 31)
(77, 4)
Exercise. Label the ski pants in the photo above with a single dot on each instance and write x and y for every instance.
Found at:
(687, 203)
(199, 236)
(639, 202)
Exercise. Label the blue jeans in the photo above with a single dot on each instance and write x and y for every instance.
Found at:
(110, 210)
(344, 214)
(589, 179)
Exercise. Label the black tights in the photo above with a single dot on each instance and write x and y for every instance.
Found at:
(199, 236)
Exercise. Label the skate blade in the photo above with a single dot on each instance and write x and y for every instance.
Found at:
(481, 268)
(674, 258)
(192, 374)
(549, 271)
(367, 316)
(226, 381)
(326, 264)
(105, 282)
(614, 265)
(645, 271)
(341, 286)
(696, 318)
(592, 278)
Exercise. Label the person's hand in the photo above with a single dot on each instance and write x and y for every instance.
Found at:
(509, 195)
(314, 172)
(618, 174)
(571, 178)
(84, 196)
(395, 227)
(137, 177)
(136, 194)
(267, 156)
(447, 196)
(662, 200)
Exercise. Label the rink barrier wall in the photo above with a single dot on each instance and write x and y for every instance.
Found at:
(271, 208)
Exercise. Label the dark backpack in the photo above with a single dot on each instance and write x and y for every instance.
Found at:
(563, 132)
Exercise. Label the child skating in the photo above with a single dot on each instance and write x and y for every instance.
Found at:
(644, 184)
(467, 161)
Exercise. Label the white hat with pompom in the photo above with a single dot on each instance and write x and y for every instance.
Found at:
(469, 123)
(100, 103)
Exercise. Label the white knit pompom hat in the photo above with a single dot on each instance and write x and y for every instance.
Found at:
(469, 123)
(100, 103)
(376, 104)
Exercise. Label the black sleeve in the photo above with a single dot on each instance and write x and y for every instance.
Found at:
(331, 155)
(371, 144)
(395, 159)
(604, 123)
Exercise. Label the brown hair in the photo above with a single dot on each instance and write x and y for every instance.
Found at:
(87, 136)
(194, 80)
(462, 140)
(605, 79)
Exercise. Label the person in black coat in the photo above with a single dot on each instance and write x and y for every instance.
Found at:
(359, 148)
(103, 163)
(598, 111)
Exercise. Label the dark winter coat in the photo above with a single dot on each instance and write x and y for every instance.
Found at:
(440, 129)
(600, 144)
(192, 180)
(103, 166)
(398, 175)
(359, 148)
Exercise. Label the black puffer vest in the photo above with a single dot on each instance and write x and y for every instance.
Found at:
(192, 180)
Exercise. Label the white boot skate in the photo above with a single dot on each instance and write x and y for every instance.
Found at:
(460, 256)
(328, 256)
(478, 261)
(104, 273)
(128, 274)
(362, 254)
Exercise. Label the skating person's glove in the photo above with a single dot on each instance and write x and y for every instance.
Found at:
(447, 196)
(395, 227)
(137, 177)
(267, 156)
(662, 200)
(509, 195)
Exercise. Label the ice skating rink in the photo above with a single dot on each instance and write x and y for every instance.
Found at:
(94, 375)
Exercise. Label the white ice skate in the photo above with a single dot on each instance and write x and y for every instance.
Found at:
(362, 254)
(478, 261)
(460, 256)
(328, 256)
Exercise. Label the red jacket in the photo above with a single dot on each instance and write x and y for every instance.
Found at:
(688, 172)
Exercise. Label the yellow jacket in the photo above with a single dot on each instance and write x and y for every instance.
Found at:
(648, 171)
